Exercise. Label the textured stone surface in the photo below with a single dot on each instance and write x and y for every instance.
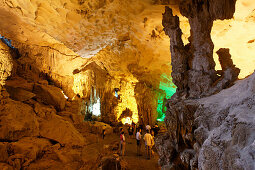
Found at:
(3, 151)
(205, 132)
(227, 120)
(193, 66)
(6, 64)
(19, 94)
(56, 128)
(5, 166)
(17, 120)
(26, 151)
(50, 95)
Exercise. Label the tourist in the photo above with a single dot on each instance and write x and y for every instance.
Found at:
(104, 132)
(122, 143)
(138, 141)
(148, 143)
(148, 127)
(130, 131)
(156, 129)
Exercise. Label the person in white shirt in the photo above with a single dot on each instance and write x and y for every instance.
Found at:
(148, 143)
(138, 141)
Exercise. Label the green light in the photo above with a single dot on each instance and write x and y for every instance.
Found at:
(167, 89)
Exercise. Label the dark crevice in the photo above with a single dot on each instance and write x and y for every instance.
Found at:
(14, 51)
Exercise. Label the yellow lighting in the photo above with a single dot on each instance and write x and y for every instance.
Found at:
(64, 94)
(127, 100)
(235, 35)
(126, 120)
(79, 83)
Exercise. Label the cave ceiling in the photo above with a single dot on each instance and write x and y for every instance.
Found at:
(125, 38)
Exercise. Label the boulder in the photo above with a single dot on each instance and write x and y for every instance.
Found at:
(17, 120)
(4, 166)
(3, 151)
(18, 82)
(19, 94)
(27, 150)
(97, 127)
(56, 128)
(44, 111)
(50, 95)
(71, 117)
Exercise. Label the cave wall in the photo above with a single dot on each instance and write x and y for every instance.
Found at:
(6, 63)
(202, 131)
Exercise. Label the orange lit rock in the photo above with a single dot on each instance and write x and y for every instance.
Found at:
(27, 150)
(56, 128)
(17, 120)
(50, 95)
(6, 64)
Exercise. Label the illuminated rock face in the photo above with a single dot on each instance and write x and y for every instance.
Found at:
(57, 39)
(53, 36)
(91, 48)
(193, 66)
(6, 64)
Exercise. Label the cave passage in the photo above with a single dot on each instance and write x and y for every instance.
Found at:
(75, 74)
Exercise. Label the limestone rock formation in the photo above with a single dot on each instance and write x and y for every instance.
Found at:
(225, 127)
(193, 65)
(56, 128)
(17, 120)
(50, 95)
(26, 151)
(19, 94)
(212, 132)
(6, 64)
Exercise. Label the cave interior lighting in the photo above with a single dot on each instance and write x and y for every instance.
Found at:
(94, 103)
(168, 88)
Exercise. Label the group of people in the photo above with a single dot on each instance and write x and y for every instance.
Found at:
(148, 139)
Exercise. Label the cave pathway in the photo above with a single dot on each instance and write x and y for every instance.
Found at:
(134, 162)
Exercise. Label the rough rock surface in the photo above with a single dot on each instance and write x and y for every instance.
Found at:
(6, 64)
(50, 95)
(97, 127)
(225, 128)
(206, 132)
(193, 65)
(26, 150)
(56, 128)
(17, 120)
(19, 94)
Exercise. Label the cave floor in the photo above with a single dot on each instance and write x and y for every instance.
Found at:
(133, 161)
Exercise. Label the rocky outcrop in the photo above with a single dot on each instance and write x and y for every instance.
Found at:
(50, 95)
(6, 64)
(56, 128)
(19, 94)
(206, 132)
(17, 120)
(26, 150)
(225, 128)
(193, 65)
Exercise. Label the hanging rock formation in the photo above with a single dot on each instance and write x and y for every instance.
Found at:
(202, 132)
(193, 65)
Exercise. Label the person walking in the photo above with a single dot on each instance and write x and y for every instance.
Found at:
(130, 131)
(104, 131)
(122, 143)
(138, 141)
(148, 143)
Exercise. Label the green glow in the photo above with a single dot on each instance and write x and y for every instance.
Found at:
(167, 89)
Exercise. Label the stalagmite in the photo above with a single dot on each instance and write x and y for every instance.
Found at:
(200, 129)
(76, 74)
